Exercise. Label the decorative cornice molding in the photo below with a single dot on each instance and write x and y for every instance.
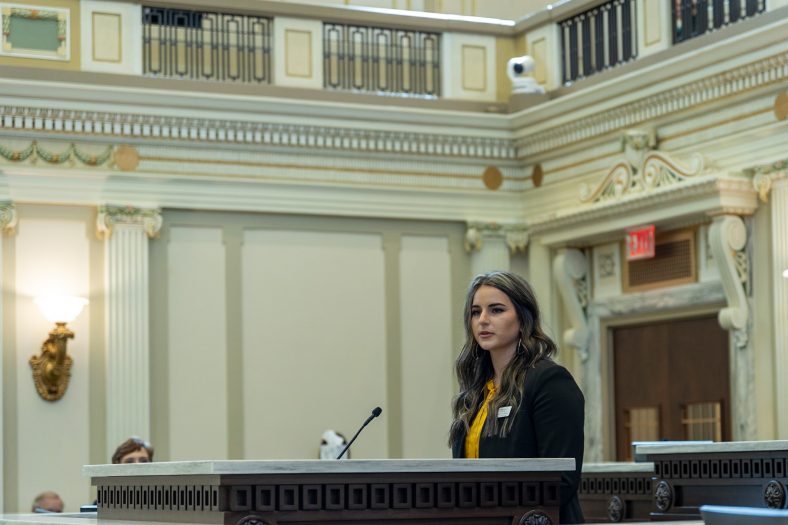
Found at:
(8, 219)
(149, 220)
(570, 271)
(728, 238)
(675, 297)
(147, 125)
(516, 235)
(731, 195)
(745, 77)
(203, 130)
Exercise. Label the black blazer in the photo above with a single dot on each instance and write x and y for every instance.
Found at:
(548, 424)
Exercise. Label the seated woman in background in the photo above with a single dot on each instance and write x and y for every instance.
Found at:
(514, 400)
(133, 450)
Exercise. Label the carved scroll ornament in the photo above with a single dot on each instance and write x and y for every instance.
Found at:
(570, 270)
(642, 170)
(728, 239)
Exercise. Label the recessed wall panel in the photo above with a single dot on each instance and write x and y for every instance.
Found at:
(197, 346)
(52, 438)
(427, 353)
(314, 341)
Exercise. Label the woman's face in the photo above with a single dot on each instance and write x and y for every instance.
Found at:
(494, 321)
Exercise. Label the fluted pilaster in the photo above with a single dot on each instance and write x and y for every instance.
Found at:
(126, 232)
(779, 242)
(7, 224)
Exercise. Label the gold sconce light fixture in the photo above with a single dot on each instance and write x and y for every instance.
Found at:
(52, 367)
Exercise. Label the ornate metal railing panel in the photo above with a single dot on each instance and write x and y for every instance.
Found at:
(598, 39)
(382, 60)
(692, 18)
(206, 46)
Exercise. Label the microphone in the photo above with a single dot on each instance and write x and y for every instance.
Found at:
(375, 413)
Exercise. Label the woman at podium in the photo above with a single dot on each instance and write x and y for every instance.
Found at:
(514, 400)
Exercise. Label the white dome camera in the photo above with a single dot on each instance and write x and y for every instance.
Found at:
(519, 70)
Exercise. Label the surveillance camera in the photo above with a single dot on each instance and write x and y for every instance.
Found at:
(519, 69)
(520, 66)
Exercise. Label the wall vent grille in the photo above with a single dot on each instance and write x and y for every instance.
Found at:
(673, 263)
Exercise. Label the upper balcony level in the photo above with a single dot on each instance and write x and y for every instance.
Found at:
(347, 54)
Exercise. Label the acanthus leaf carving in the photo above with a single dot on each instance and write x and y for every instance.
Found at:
(643, 170)
(8, 218)
(764, 176)
(515, 235)
(108, 216)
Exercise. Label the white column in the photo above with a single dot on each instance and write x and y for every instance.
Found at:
(779, 241)
(7, 225)
(126, 232)
(490, 245)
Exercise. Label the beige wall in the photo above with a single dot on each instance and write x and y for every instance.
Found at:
(46, 443)
(197, 343)
(269, 330)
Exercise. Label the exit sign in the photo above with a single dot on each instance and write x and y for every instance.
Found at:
(640, 243)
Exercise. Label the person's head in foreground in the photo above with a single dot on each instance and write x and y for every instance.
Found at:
(47, 502)
(133, 450)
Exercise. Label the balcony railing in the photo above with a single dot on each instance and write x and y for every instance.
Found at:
(598, 39)
(692, 18)
(206, 46)
(381, 60)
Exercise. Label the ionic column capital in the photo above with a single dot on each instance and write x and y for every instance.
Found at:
(515, 235)
(764, 176)
(148, 219)
(8, 218)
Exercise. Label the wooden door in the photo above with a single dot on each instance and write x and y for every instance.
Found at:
(672, 382)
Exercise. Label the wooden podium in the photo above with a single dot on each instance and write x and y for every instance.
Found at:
(383, 492)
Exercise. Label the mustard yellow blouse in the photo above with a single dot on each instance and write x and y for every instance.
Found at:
(475, 433)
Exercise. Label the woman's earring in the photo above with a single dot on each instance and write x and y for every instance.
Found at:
(520, 347)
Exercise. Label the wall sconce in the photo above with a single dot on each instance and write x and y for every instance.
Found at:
(52, 367)
(785, 273)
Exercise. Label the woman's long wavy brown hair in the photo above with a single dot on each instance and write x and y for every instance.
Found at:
(474, 367)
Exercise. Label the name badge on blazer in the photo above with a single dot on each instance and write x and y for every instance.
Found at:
(504, 411)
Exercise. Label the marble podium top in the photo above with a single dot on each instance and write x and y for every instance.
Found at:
(617, 467)
(350, 466)
(700, 448)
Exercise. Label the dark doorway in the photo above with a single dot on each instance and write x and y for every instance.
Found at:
(672, 381)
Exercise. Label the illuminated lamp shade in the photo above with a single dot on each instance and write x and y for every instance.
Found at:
(60, 309)
(785, 273)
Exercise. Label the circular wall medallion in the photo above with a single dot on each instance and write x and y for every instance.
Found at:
(537, 175)
(774, 495)
(781, 106)
(126, 158)
(615, 509)
(535, 517)
(663, 496)
(493, 178)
